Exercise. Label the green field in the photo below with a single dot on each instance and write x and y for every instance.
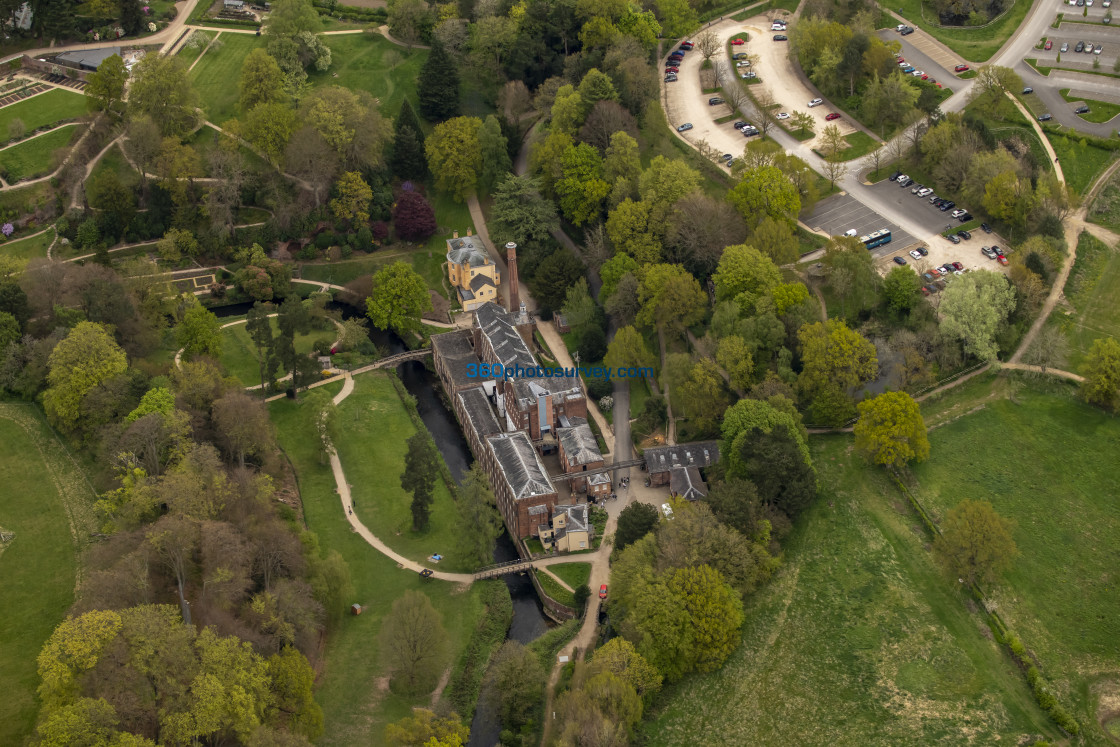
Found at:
(351, 684)
(553, 589)
(859, 145)
(1081, 163)
(1105, 209)
(975, 44)
(1092, 290)
(37, 569)
(377, 428)
(44, 109)
(1045, 460)
(187, 53)
(239, 355)
(370, 62)
(216, 74)
(574, 575)
(114, 161)
(33, 158)
(859, 640)
(28, 248)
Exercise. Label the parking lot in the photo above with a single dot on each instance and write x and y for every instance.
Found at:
(841, 213)
(938, 69)
(1071, 33)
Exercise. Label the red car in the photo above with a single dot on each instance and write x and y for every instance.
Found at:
(900, 59)
(832, 116)
(1002, 259)
(958, 266)
(925, 76)
(672, 69)
(737, 42)
(603, 591)
(1049, 44)
(686, 45)
(960, 68)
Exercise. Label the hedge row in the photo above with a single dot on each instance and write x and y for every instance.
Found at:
(351, 13)
(1041, 690)
(466, 680)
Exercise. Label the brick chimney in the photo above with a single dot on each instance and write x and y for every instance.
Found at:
(511, 261)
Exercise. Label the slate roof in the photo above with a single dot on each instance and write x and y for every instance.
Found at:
(577, 516)
(464, 250)
(697, 454)
(498, 326)
(480, 280)
(579, 444)
(520, 465)
(456, 350)
(599, 478)
(479, 412)
(687, 483)
(91, 58)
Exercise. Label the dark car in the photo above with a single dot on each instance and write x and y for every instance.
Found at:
(1044, 117)
(1027, 90)
(923, 251)
(739, 56)
(997, 250)
(714, 101)
(905, 182)
(965, 218)
(899, 261)
(780, 37)
(1080, 47)
(947, 205)
(964, 234)
(954, 238)
(1081, 110)
(906, 31)
(740, 125)
(927, 277)
(750, 131)
(726, 157)
(894, 176)
(930, 289)
(986, 227)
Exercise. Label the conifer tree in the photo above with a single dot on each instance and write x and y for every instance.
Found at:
(438, 86)
(408, 160)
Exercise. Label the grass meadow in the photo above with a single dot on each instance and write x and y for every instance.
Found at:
(239, 356)
(352, 681)
(217, 72)
(1081, 163)
(44, 109)
(973, 44)
(34, 157)
(1091, 291)
(1105, 209)
(1046, 460)
(28, 248)
(42, 490)
(858, 640)
(574, 575)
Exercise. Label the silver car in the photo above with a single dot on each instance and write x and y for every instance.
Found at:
(1065, 47)
(815, 102)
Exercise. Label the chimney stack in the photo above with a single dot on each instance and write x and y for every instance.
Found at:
(511, 261)
(454, 234)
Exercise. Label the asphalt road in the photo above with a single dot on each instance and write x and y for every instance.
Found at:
(840, 213)
(919, 59)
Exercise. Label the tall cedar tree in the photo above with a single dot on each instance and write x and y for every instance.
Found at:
(408, 160)
(413, 217)
(438, 86)
(419, 478)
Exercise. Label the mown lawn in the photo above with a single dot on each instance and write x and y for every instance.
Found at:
(859, 145)
(377, 428)
(239, 355)
(33, 158)
(352, 687)
(574, 575)
(859, 640)
(1046, 460)
(370, 62)
(44, 109)
(1099, 111)
(28, 248)
(36, 569)
(114, 161)
(1092, 290)
(973, 44)
(216, 75)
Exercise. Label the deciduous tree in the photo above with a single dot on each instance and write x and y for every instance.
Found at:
(518, 679)
(636, 521)
(162, 91)
(422, 726)
(671, 298)
(398, 298)
(415, 644)
(413, 217)
(1101, 370)
(105, 86)
(455, 156)
(745, 275)
(975, 543)
(85, 359)
(352, 198)
(974, 307)
(765, 191)
(199, 333)
(890, 430)
(261, 82)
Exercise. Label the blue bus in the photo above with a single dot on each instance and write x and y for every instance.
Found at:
(876, 238)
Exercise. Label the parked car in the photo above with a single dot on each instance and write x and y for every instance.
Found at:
(1044, 117)
(957, 213)
(917, 188)
(965, 218)
(815, 102)
(924, 290)
(739, 56)
(831, 116)
(603, 590)
(726, 157)
(954, 238)
(1080, 47)
(960, 68)
(986, 227)
(1049, 44)
(958, 266)
(997, 250)
(1027, 90)
(947, 206)
(905, 183)
(894, 176)
(919, 73)
(964, 234)
(899, 261)
(743, 63)
(923, 251)
(909, 69)
(1064, 47)
(934, 199)
(672, 69)
(783, 115)
(988, 252)
(780, 37)
(685, 127)
(739, 125)
(925, 192)
(907, 31)
(1083, 109)
(687, 45)
(915, 254)
(1098, 49)
(750, 131)
(732, 162)
(748, 75)
(1002, 260)
(671, 78)
(715, 101)
(737, 42)
(927, 277)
